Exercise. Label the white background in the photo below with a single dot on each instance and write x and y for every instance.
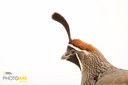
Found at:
(31, 43)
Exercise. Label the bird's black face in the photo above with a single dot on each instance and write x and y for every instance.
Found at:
(71, 55)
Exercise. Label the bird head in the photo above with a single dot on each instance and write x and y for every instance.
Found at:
(75, 46)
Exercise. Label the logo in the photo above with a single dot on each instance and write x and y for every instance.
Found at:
(9, 76)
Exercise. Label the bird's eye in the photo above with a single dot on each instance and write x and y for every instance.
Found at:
(72, 51)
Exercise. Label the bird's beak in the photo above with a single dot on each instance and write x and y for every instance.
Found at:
(64, 57)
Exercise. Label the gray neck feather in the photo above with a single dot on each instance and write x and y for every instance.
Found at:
(94, 65)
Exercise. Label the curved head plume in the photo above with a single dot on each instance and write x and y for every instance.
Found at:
(59, 18)
(75, 42)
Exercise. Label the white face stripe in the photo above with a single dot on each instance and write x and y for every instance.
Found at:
(86, 52)
(74, 47)
(77, 56)
(79, 62)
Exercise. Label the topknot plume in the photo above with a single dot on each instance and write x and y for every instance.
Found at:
(59, 18)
